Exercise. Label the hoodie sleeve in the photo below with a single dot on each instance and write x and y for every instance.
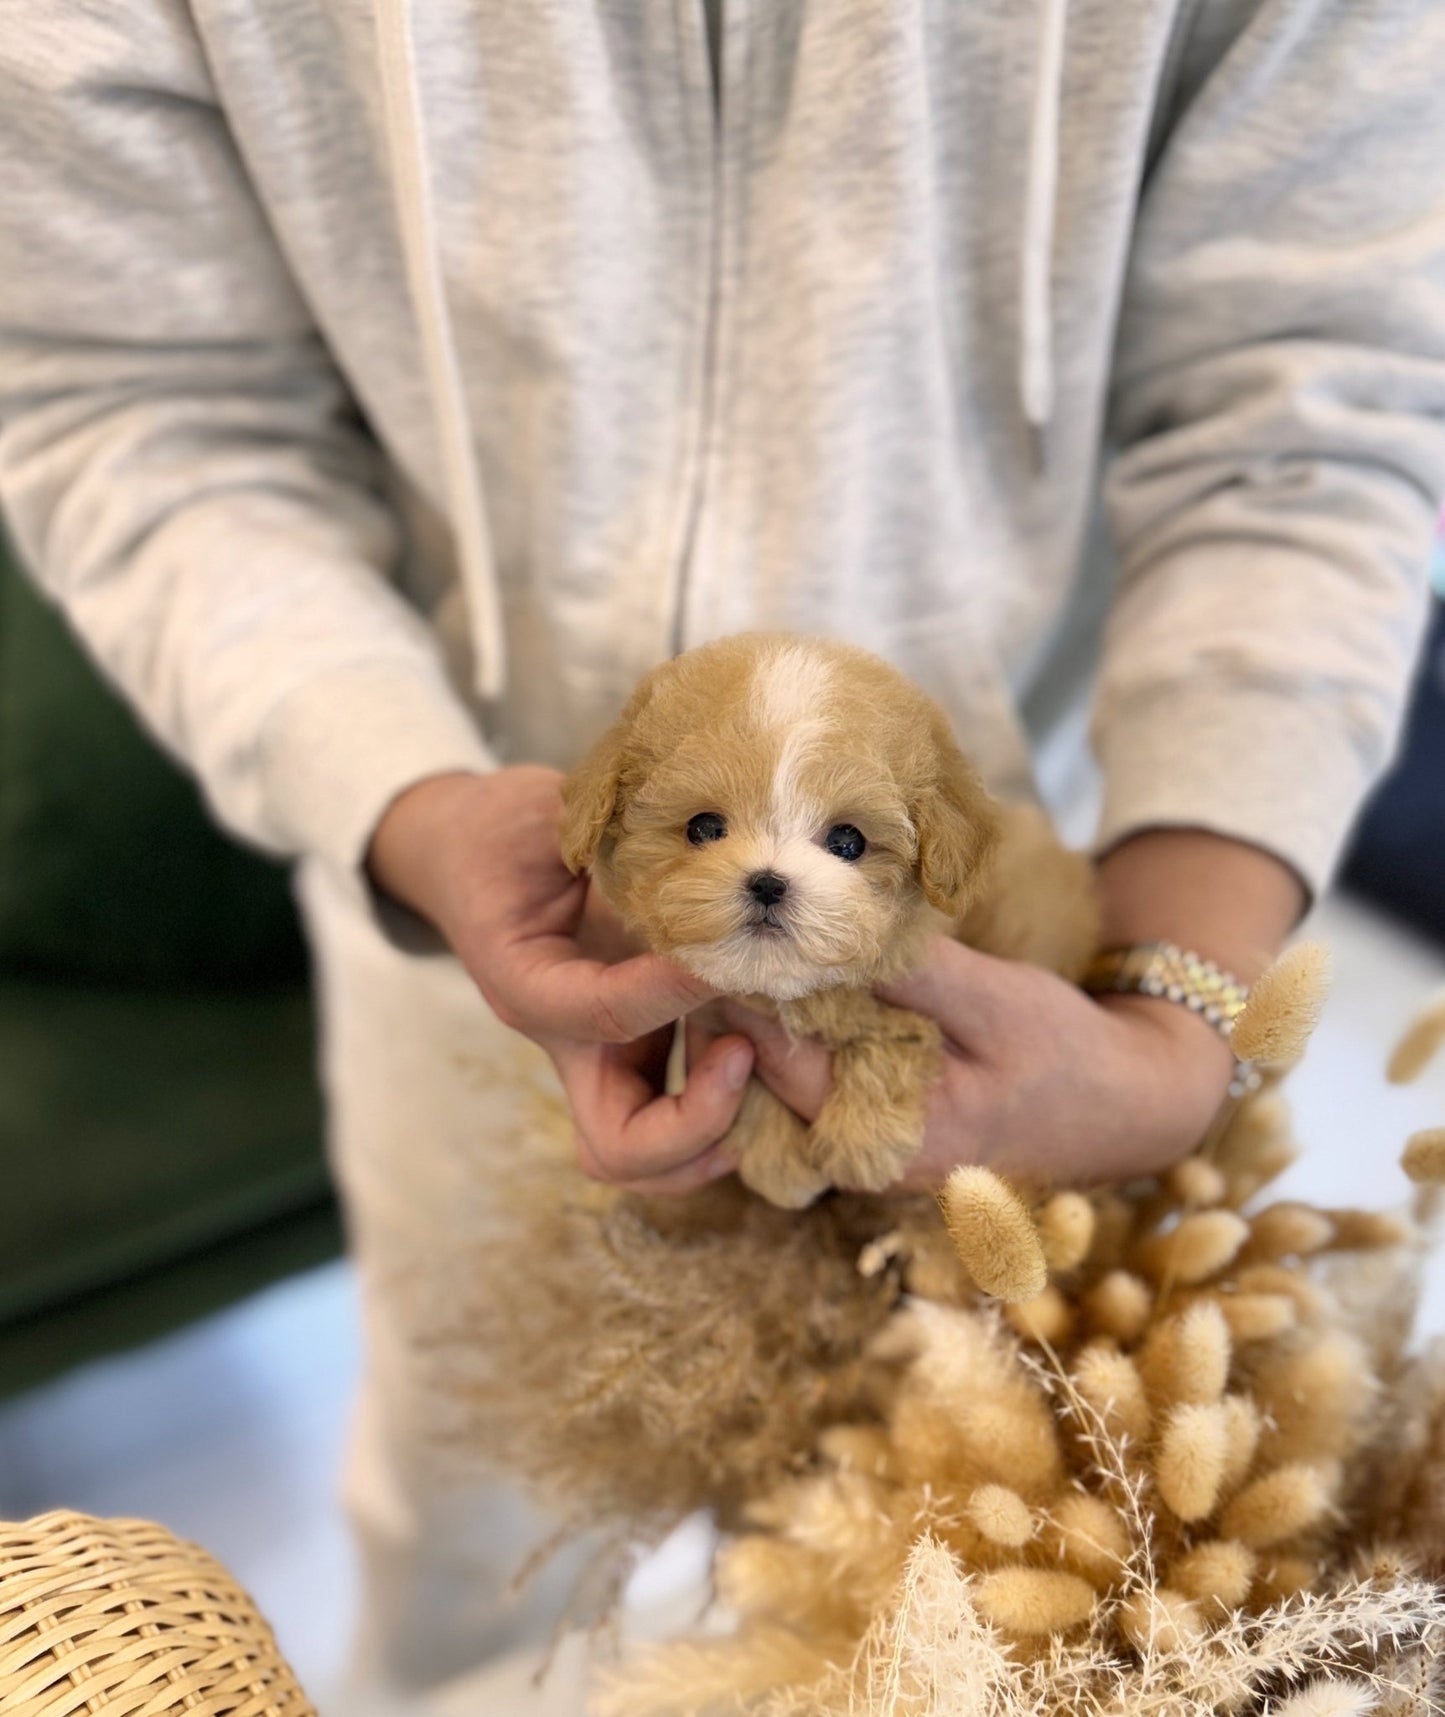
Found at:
(1278, 413)
(180, 463)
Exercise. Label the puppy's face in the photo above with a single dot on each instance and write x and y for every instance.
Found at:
(776, 814)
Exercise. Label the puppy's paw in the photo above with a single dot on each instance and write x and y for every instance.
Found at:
(774, 1151)
(871, 1126)
(865, 1151)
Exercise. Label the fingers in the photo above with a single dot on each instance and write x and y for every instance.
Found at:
(797, 1070)
(629, 1136)
(559, 995)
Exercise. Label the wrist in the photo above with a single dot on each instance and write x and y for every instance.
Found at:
(1223, 899)
(408, 852)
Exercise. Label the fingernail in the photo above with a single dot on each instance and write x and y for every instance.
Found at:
(737, 1064)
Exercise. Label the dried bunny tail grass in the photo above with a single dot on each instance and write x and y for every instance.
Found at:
(1330, 1696)
(1120, 1304)
(1109, 1382)
(1420, 1044)
(1034, 1601)
(1190, 1461)
(1313, 1303)
(1160, 1622)
(1047, 1319)
(1258, 1317)
(1002, 1516)
(1186, 1357)
(1197, 1183)
(1256, 1146)
(1090, 1538)
(1279, 1506)
(994, 1233)
(1219, 1572)
(1284, 1007)
(1424, 1157)
(1243, 1429)
(1289, 1230)
(1066, 1230)
(1319, 1397)
(1198, 1247)
(1369, 1230)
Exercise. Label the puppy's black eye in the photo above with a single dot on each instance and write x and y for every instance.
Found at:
(706, 826)
(845, 842)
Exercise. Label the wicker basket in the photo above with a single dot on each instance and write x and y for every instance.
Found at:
(119, 1617)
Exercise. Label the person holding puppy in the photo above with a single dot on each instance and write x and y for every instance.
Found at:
(385, 388)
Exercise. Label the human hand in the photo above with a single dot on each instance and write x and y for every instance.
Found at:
(477, 855)
(1038, 1079)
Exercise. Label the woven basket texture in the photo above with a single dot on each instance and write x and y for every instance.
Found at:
(119, 1617)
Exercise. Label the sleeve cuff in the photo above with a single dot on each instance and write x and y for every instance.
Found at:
(1285, 769)
(340, 748)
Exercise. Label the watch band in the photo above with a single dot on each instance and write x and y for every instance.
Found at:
(1173, 974)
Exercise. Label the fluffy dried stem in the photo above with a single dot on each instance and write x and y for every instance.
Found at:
(1424, 1157)
(1190, 1463)
(1200, 1246)
(1279, 1506)
(1119, 1304)
(1066, 1230)
(994, 1233)
(1034, 1601)
(1420, 1044)
(1284, 1007)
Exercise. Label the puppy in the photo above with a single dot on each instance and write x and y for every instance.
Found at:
(789, 818)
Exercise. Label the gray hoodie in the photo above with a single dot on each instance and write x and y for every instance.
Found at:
(385, 384)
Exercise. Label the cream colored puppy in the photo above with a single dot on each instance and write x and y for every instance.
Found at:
(788, 818)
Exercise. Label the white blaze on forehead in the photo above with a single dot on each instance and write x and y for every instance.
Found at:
(790, 693)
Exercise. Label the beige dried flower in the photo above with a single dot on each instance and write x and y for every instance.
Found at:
(1001, 1515)
(1119, 1304)
(1066, 1229)
(1219, 1571)
(1424, 1157)
(1257, 1317)
(1200, 1246)
(1034, 1601)
(994, 1233)
(1284, 1007)
(1186, 1357)
(1159, 1621)
(1278, 1506)
(1196, 1182)
(1420, 1044)
(1090, 1537)
(1190, 1462)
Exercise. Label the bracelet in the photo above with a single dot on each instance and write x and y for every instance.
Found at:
(1173, 974)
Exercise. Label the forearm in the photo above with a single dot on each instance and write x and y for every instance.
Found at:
(1232, 902)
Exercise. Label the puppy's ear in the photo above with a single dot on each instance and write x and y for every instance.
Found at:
(592, 793)
(958, 827)
(589, 799)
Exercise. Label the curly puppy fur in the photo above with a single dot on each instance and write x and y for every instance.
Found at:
(766, 746)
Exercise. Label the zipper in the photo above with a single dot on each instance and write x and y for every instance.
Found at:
(713, 82)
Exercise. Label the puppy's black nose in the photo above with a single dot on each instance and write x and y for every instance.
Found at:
(767, 888)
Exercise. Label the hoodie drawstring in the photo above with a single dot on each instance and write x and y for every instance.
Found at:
(1036, 354)
(407, 136)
